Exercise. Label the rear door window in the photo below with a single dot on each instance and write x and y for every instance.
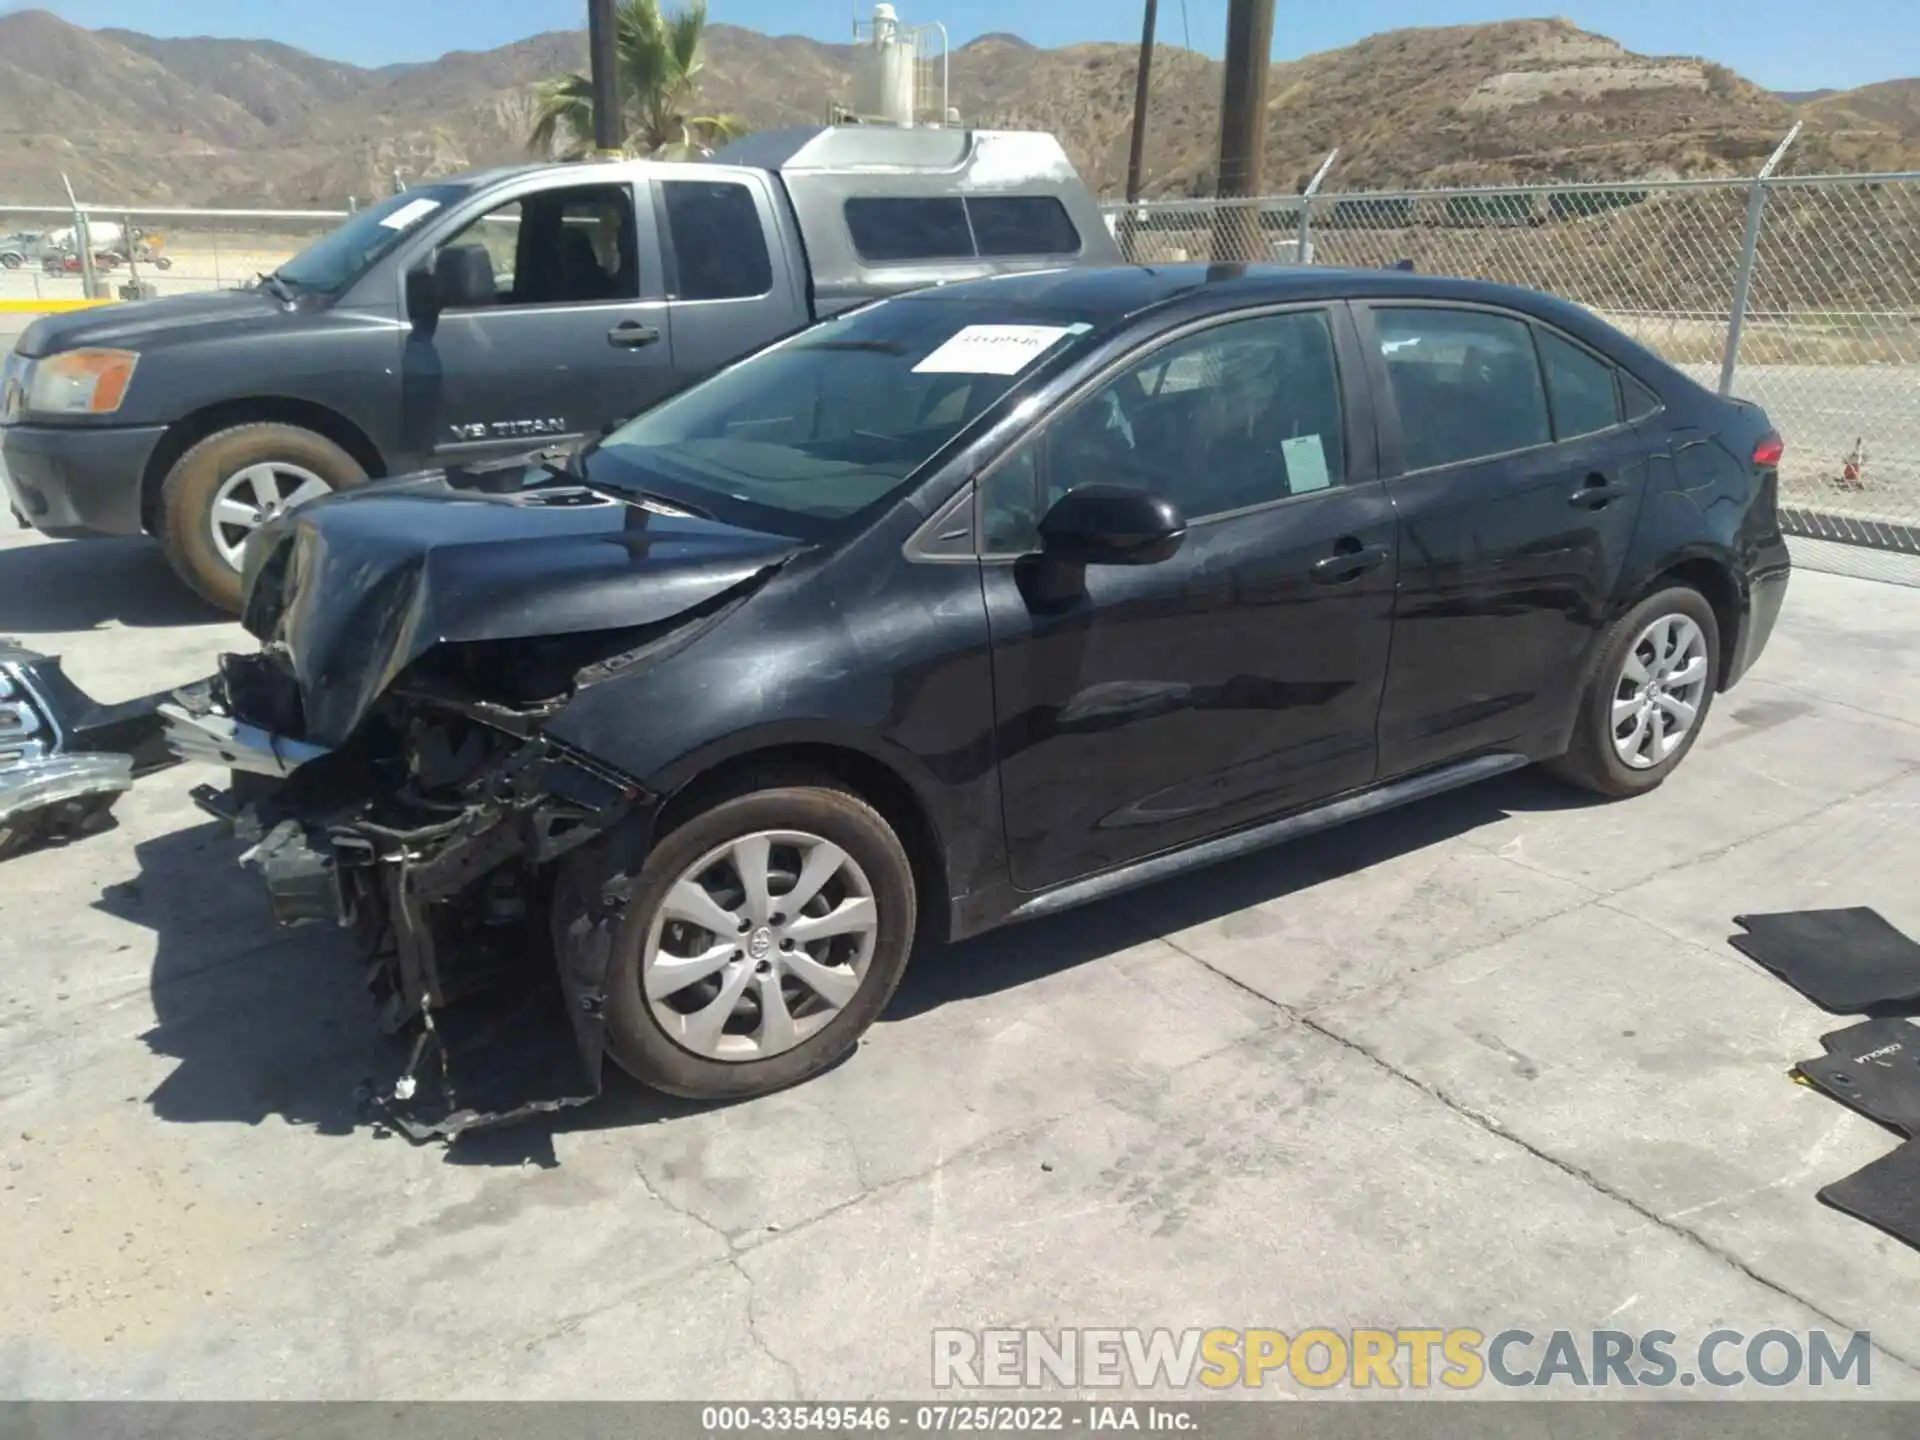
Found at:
(719, 243)
(1580, 386)
(1639, 401)
(1466, 384)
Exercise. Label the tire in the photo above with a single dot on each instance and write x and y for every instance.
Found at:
(187, 496)
(1594, 760)
(12, 260)
(637, 1037)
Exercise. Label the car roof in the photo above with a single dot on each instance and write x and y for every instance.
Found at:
(1113, 292)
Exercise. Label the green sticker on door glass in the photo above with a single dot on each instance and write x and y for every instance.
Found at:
(1306, 464)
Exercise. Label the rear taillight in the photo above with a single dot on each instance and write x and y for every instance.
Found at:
(1768, 452)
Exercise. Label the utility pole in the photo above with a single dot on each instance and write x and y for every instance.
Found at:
(1243, 123)
(1136, 151)
(604, 57)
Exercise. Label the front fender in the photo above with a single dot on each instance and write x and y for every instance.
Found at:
(778, 735)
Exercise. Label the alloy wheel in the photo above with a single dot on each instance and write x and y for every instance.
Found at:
(250, 497)
(1658, 693)
(759, 944)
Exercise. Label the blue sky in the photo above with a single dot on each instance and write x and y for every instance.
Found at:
(1784, 44)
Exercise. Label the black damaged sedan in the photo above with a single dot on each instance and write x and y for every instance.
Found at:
(963, 608)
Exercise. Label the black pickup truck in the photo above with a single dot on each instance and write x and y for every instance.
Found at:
(495, 312)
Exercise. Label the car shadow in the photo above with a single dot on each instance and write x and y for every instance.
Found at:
(269, 1024)
(64, 586)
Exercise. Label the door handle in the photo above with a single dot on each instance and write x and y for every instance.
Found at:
(631, 335)
(1349, 561)
(1597, 493)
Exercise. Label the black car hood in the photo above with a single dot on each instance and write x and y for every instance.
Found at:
(354, 588)
(136, 324)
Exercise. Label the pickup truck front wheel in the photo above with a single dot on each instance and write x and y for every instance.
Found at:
(225, 487)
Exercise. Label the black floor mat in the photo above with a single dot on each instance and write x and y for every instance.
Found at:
(1873, 1067)
(1846, 961)
(1886, 1194)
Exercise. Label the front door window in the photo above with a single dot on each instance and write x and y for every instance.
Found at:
(576, 246)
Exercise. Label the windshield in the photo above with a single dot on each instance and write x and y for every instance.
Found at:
(341, 256)
(796, 439)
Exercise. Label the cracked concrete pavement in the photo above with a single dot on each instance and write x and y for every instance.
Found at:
(1486, 1062)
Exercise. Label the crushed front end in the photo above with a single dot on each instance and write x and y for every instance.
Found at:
(438, 835)
(394, 771)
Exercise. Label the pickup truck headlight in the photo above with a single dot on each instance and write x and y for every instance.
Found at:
(80, 382)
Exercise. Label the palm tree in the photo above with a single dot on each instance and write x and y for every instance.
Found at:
(659, 65)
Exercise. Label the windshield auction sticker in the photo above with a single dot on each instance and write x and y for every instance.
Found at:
(991, 350)
(413, 210)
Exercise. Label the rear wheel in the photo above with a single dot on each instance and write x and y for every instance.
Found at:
(228, 485)
(1652, 686)
(764, 935)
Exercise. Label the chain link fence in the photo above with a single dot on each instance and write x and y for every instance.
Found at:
(139, 253)
(1802, 294)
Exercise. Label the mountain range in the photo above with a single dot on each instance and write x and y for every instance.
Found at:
(135, 119)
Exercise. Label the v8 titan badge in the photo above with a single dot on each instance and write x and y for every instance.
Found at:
(509, 429)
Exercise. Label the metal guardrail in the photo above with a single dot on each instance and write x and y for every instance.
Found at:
(1799, 292)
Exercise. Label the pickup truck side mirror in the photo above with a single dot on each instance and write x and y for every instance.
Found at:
(423, 296)
(1111, 525)
(463, 274)
(460, 277)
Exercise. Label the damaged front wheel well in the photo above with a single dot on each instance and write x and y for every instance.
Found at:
(870, 779)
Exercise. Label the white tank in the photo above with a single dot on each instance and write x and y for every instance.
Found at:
(885, 71)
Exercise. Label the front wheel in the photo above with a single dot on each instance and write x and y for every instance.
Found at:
(1652, 686)
(232, 482)
(763, 936)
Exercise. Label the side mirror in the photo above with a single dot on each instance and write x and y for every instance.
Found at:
(460, 277)
(463, 274)
(423, 296)
(1111, 525)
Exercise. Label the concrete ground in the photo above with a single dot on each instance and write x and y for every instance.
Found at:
(1485, 1062)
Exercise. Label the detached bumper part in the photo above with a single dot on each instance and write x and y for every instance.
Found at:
(64, 759)
(61, 798)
